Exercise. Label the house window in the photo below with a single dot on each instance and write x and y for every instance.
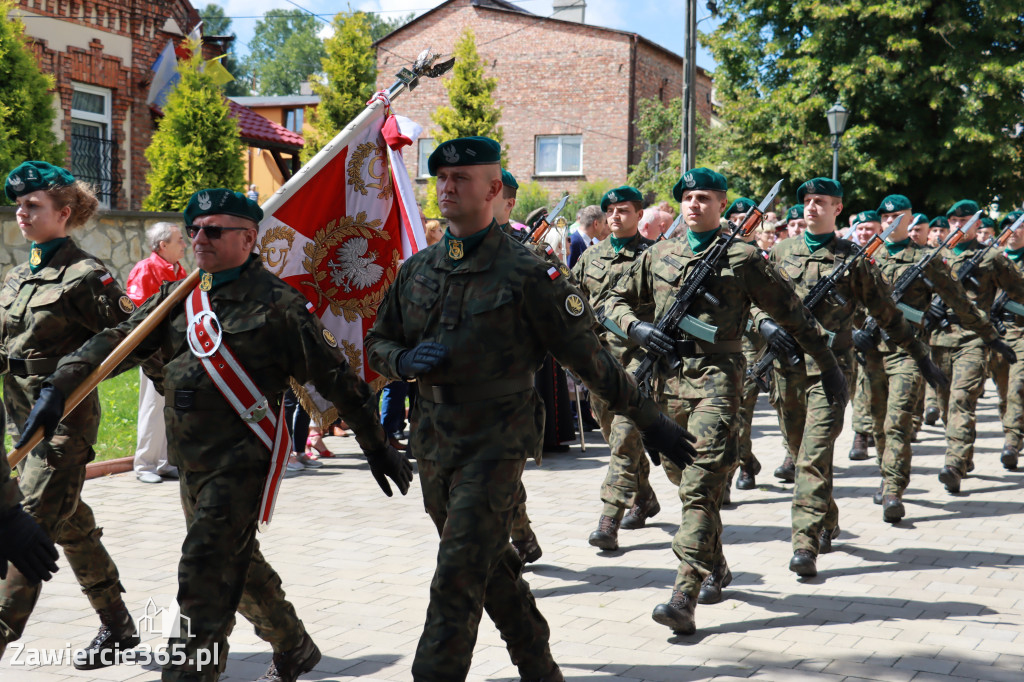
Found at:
(92, 146)
(425, 146)
(293, 119)
(559, 155)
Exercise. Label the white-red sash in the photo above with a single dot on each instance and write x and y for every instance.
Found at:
(205, 338)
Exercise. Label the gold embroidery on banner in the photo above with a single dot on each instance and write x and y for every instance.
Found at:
(275, 257)
(376, 169)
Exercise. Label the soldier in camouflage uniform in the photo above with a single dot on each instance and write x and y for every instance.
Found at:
(961, 352)
(1009, 379)
(222, 463)
(938, 230)
(472, 318)
(703, 393)
(892, 407)
(810, 422)
(51, 304)
(869, 377)
(627, 482)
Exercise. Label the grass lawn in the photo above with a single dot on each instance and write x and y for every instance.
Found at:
(119, 400)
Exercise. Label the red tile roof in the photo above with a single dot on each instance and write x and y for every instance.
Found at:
(259, 128)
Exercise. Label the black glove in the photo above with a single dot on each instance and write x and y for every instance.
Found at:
(653, 339)
(27, 546)
(668, 439)
(389, 463)
(421, 359)
(47, 413)
(1000, 346)
(779, 340)
(935, 314)
(834, 383)
(932, 374)
(863, 341)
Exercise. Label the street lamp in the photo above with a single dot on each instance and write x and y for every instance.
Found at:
(837, 117)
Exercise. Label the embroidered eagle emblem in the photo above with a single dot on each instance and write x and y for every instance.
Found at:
(353, 267)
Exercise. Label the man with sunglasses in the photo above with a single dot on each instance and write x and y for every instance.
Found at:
(247, 312)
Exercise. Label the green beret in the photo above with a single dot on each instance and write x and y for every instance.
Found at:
(1009, 219)
(35, 175)
(508, 179)
(221, 201)
(964, 208)
(825, 186)
(867, 217)
(741, 205)
(795, 213)
(939, 221)
(624, 193)
(464, 151)
(920, 218)
(893, 203)
(987, 222)
(700, 178)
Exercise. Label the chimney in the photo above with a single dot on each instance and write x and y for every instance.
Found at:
(569, 10)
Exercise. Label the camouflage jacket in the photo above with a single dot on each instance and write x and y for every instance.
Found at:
(268, 328)
(597, 271)
(499, 312)
(1014, 324)
(49, 314)
(861, 285)
(919, 295)
(743, 277)
(994, 272)
(10, 493)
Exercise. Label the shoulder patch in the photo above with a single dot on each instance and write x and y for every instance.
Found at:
(564, 269)
(126, 304)
(310, 308)
(329, 338)
(574, 305)
(554, 273)
(105, 279)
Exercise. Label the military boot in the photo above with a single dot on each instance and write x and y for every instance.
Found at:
(288, 665)
(116, 635)
(641, 510)
(717, 580)
(787, 472)
(607, 534)
(553, 675)
(746, 481)
(528, 548)
(892, 508)
(877, 497)
(950, 478)
(677, 614)
(859, 451)
(803, 564)
(931, 416)
(825, 538)
(1009, 457)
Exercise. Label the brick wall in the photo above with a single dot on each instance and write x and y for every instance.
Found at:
(554, 78)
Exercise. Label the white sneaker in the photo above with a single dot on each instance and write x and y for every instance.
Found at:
(294, 465)
(307, 461)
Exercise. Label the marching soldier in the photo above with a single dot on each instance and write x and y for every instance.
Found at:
(1009, 378)
(224, 383)
(472, 318)
(938, 229)
(870, 381)
(627, 482)
(810, 421)
(961, 352)
(703, 393)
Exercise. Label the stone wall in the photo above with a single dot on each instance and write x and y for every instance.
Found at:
(118, 238)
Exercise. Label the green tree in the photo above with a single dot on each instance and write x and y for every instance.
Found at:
(216, 23)
(472, 110)
(380, 27)
(284, 51)
(196, 143)
(350, 73)
(529, 197)
(26, 100)
(934, 88)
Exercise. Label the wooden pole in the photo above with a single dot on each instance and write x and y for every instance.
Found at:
(116, 357)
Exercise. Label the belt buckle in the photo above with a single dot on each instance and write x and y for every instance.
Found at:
(196, 332)
(184, 400)
(256, 413)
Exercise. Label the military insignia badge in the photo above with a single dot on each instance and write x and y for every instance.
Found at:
(451, 156)
(206, 282)
(455, 251)
(37, 257)
(564, 268)
(811, 187)
(16, 183)
(613, 197)
(688, 179)
(574, 304)
(205, 203)
(126, 304)
(889, 206)
(329, 338)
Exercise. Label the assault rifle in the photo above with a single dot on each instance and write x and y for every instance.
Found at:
(538, 231)
(822, 290)
(1003, 303)
(966, 272)
(677, 317)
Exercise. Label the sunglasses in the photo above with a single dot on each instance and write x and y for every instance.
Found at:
(212, 231)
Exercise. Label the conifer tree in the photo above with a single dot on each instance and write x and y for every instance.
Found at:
(196, 144)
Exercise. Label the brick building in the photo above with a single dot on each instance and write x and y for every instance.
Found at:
(568, 91)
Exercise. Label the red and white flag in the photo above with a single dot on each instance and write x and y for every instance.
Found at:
(338, 230)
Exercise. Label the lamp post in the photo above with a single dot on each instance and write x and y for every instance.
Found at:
(688, 146)
(837, 117)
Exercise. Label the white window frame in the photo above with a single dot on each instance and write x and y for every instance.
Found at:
(421, 156)
(559, 172)
(90, 118)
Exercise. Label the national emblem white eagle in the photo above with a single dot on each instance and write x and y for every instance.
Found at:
(353, 267)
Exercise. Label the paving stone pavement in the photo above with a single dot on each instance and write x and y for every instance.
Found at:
(938, 597)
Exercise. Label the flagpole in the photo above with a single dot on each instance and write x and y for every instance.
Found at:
(406, 79)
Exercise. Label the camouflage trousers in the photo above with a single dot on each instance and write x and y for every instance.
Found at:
(702, 485)
(477, 569)
(918, 419)
(931, 398)
(810, 426)
(967, 369)
(745, 421)
(870, 387)
(1009, 380)
(53, 498)
(521, 529)
(222, 570)
(892, 413)
(629, 473)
